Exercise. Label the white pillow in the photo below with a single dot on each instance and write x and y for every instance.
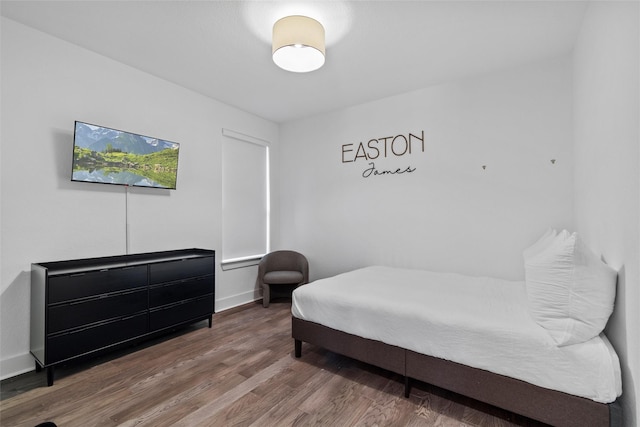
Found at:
(541, 244)
(570, 290)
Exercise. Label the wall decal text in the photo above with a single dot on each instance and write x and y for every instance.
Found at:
(399, 145)
(373, 171)
(383, 148)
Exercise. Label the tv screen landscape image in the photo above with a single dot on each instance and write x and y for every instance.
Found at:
(110, 156)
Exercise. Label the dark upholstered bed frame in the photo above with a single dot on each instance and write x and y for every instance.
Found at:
(545, 405)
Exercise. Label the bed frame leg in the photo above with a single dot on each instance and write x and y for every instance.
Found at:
(407, 386)
(298, 348)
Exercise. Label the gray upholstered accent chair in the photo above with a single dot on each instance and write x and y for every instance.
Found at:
(281, 268)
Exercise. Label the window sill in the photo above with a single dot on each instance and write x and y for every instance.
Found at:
(232, 264)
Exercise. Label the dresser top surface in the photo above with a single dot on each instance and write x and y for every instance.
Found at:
(120, 261)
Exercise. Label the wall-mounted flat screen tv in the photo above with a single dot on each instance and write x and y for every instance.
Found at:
(110, 156)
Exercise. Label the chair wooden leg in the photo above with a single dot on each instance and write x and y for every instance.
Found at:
(266, 295)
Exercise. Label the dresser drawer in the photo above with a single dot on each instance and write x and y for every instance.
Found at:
(178, 291)
(84, 312)
(180, 269)
(81, 285)
(180, 313)
(67, 345)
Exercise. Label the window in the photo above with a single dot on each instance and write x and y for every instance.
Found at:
(245, 197)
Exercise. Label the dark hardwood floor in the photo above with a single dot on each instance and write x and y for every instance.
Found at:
(241, 372)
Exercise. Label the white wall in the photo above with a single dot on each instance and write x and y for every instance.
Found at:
(450, 214)
(46, 85)
(607, 168)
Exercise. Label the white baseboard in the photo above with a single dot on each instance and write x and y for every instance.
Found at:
(16, 365)
(236, 300)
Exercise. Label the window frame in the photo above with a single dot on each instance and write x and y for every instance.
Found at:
(251, 259)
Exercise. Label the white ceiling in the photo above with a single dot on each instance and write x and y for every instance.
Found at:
(374, 48)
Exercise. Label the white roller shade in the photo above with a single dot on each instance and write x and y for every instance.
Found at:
(245, 197)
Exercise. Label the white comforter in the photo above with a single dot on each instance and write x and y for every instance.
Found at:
(477, 321)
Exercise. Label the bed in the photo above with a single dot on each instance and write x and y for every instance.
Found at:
(475, 336)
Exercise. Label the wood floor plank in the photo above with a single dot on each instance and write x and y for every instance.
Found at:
(240, 372)
(287, 411)
(384, 408)
(207, 413)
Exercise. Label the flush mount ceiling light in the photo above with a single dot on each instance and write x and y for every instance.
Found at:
(298, 44)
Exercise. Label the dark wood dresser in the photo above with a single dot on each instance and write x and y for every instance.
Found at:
(86, 306)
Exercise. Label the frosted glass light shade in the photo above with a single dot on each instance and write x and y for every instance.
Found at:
(298, 44)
